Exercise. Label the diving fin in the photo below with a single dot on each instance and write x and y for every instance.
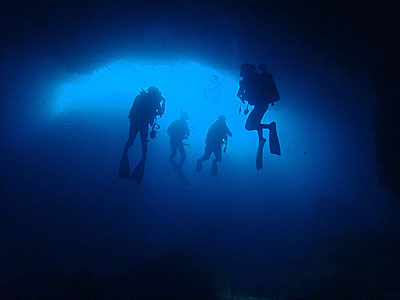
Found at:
(124, 168)
(259, 159)
(274, 145)
(137, 174)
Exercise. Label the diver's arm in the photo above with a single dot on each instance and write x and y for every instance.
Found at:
(161, 108)
(226, 143)
(187, 132)
(228, 132)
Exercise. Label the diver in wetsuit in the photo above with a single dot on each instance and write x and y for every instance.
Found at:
(145, 108)
(178, 131)
(217, 135)
(258, 88)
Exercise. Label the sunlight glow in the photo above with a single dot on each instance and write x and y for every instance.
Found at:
(182, 84)
(204, 93)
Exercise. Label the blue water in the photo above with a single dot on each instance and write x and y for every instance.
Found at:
(67, 206)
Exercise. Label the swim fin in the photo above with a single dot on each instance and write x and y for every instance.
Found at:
(274, 145)
(124, 168)
(137, 174)
(259, 159)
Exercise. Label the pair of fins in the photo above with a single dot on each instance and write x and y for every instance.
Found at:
(274, 146)
(137, 174)
(125, 172)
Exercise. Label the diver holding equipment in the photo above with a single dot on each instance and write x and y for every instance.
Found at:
(154, 127)
(145, 108)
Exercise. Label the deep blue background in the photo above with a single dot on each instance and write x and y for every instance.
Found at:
(70, 75)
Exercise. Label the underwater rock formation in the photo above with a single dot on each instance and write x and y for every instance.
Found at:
(351, 266)
(387, 120)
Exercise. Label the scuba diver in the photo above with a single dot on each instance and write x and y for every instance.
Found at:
(258, 88)
(217, 135)
(145, 109)
(178, 131)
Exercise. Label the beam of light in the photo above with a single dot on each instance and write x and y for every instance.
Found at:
(112, 85)
(204, 92)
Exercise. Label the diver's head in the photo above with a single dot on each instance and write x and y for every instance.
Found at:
(247, 70)
(154, 91)
(184, 115)
(221, 118)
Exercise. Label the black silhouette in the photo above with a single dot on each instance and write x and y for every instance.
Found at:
(258, 88)
(145, 108)
(178, 131)
(217, 136)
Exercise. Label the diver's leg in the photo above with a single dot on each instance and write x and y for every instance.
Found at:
(261, 138)
(124, 165)
(182, 152)
(207, 153)
(218, 157)
(267, 126)
(218, 154)
(137, 174)
(206, 156)
(263, 110)
(133, 130)
(173, 151)
(254, 120)
(144, 131)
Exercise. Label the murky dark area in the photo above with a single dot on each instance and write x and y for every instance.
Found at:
(321, 221)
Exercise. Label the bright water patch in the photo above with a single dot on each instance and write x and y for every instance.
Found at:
(204, 92)
(184, 84)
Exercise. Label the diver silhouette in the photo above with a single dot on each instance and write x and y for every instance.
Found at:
(178, 131)
(217, 135)
(145, 108)
(258, 88)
